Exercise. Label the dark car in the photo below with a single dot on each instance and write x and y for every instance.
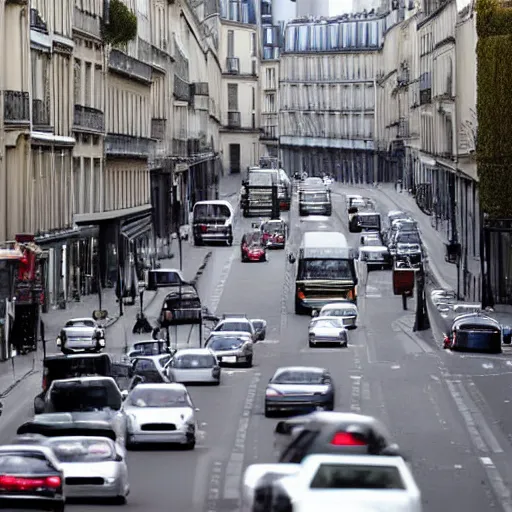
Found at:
(151, 369)
(182, 305)
(252, 247)
(475, 332)
(30, 479)
(365, 221)
(299, 388)
(332, 433)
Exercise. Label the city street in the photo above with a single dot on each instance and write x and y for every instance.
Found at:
(436, 404)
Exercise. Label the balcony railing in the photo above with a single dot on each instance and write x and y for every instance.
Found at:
(181, 89)
(40, 115)
(119, 145)
(158, 128)
(233, 65)
(199, 89)
(403, 128)
(234, 120)
(87, 23)
(88, 119)
(16, 107)
(179, 147)
(36, 22)
(150, 54)
(126, 65)
(193, 147)
(269, 132)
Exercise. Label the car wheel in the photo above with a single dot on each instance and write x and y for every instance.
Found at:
(217, 383)
(311, 345)
(248, 364)
(268, 412)
(229, 241)
(330, 406)
(344, 345)
(299, 310)
(120, 500)
(190, 445)
(197, 241)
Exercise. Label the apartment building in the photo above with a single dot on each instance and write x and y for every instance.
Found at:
(327, 96)
(239, 54)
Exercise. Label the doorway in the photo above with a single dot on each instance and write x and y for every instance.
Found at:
(234, 158)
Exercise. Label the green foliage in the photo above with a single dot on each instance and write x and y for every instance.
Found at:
(494, 107)
(121, 26)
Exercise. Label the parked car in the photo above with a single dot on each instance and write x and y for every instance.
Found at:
(475, 332)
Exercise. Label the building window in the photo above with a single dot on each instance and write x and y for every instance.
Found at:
(233, 97)
(88, 84)
(231, 43)
(254, 98)
(253, 44)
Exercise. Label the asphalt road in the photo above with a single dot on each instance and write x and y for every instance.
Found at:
(417, 389)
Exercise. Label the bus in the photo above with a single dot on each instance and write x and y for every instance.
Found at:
(325, 271)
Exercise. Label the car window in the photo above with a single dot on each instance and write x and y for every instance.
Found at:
(334, 322)
(235, 327)
(298, 448)
(355, 476)
(224, 343)
(81, 450)
(80, 323)
(147, 397)
(76, 397)
(190, 361)
(297, 377)
(149, 348)
(24, 464)
(164, 360)
(144, 365)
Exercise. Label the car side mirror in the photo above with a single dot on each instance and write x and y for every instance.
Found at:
(197, 409)
(124, 394)
(291, 259)
(119, 458)
(314, 313)
(283, 428)
(38, 405)
(393, 450)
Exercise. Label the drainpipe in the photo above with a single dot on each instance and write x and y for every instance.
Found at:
(375, 128)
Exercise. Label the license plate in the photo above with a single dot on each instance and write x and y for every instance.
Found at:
(229, 359)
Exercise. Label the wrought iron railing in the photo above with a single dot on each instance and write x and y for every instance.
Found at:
(127, 65)
(89, 119)
(179, 147)
(158, 128)
(16, 106)
(127, 145)
(233, 65)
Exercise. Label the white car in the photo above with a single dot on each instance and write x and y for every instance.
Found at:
(331, 483)
(344, 310)
(160, 413)
(257, 328)
(327, 330)
(81, 335)
(194, 365)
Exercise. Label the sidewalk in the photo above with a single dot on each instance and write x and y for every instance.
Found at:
(195, 259)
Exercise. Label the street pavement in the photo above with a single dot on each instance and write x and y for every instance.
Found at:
(447, 431)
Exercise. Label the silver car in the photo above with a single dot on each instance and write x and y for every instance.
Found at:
(94, 467)
(327, 330)
(198, 365)
(344, 310)
(81, 335)
(161, 413)
(231, 347)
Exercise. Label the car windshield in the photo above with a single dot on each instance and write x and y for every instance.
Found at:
(298, 377)
(313, 181)
(352, 476)
(328, 323)
(16, 463)
(326, 269)
(146, 397)
(190, 361)
(80, 323)
(315, 197)
(79, 398)
(339, 312)
(372, 242)
(235, 327)
(81, 450)
(408, 238)
(225, 343)
(211, 211)
(273, 227)
(369, 220)
(152, 348)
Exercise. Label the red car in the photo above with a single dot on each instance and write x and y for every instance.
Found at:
(253, 247)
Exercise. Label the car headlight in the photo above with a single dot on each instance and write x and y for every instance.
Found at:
(59, 341)
(311, 334)
(102, 342)
(110, 480)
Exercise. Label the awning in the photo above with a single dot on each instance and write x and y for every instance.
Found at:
(83, 231)
(133, 229)
(181, 168)
(113, 215)
(426, 160)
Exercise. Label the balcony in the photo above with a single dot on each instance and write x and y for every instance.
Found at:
(234, 120)
(150, 54)
(121, 63)
(179, 148)
(16, 107)
(88, 119)
(269, 133)
(86, 23)
(158, 128)
(193, 147)
(181, 89)
(233, 65)
(119, 145)
(402, 77)
(199, 89)
(403, 128)
(40, 116)
(36, 22)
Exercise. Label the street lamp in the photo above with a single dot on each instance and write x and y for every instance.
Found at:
(141, 325)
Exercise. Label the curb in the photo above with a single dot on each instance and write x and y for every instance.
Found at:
(32, 371)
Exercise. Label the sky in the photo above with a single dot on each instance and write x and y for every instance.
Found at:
(339, 7)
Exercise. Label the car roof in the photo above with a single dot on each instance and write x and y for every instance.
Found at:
(153, 356)
(64, 357)
(340, 304)
(78, 438)
(85, 379)
(193, 352)
(373, 248)
(309, 369)
(229, 334)
(29, 448)
(163, 385)
(363, 460)
(215, 201)
(234, 319)
(368, 214)
(89, 319)
(138, 342)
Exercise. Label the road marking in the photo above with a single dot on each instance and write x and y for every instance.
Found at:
(268, 342)
(365, 391)
(487, 366)
(497, 483)
(395, 367)
(320, 350)
(234, 468)
(214, 488)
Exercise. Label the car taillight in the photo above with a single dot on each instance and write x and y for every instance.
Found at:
(350, 295)
(346, 439)
(203, 228)
(14, 483)
(300, 295)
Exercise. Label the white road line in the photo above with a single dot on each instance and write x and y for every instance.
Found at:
(214, 487)
(497, 483)
(234, 468)
(365, 391)
(219, 289)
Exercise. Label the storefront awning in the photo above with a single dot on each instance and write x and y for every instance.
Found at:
(113, 215)
(135, 228)
(426, 160)
(82, 231)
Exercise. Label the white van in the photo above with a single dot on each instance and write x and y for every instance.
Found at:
(212, 221)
